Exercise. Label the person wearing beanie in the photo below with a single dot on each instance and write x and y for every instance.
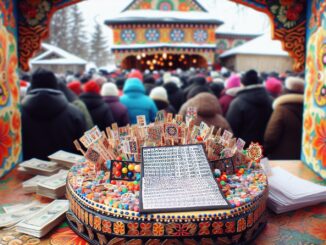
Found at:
(136, 74)
(217, 88)
(250, 110)
(149, 83)
(196, 81)
(75, 86)
(110, 94)
(160, 97)
(273, 86)
(101, 113)
(137, 102)
(283, 132)
(175, 94)
(232, 86)
(49, 122)
(208, 110)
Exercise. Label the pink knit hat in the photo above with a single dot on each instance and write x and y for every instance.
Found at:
(274, 85)
(233, 82)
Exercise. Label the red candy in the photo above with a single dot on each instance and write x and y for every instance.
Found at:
(136, 188)
(113, 182)
(118, 166)
(117, 173)
(119, 158)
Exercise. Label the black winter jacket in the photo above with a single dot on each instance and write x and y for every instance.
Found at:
(99, 110)
(49, 123)
(249, 113)
(175, 95)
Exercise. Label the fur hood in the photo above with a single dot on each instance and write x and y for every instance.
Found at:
(288, 99)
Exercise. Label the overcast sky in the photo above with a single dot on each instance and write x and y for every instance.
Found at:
(236, 18)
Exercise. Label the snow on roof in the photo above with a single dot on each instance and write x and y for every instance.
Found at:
(157, 16)
(65, 57)
(227, 29)
(262, 45)
(163, 45)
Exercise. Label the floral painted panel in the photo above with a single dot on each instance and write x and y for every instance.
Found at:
(10, 125)
(314, 132)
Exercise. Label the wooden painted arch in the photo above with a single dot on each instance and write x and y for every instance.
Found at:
(288, 20)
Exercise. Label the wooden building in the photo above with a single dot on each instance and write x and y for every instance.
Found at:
(164, 34)
(262, 54)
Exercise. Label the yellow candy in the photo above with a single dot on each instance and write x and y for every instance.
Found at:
(131, 167)
(124, 170)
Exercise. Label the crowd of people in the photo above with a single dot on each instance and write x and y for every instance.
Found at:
(264, 108)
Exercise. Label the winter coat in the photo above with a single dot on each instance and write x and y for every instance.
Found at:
(208, 110)
(99, 110)
(49, 123)
(283, 132)
(175, 95)
(137, 102)
(163, 105)
(249, 112)
(82, 107)
(227, 97)
(119, 111)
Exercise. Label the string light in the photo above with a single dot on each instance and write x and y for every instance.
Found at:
(138, 57)
(164, 55)
(144, 55)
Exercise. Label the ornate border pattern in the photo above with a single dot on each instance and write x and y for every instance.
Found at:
(99, 228)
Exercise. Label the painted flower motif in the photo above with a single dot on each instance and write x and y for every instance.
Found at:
(183, 7)
(16, 121)
(152, 35)
(241, 226)
(200, 36)
(5, 140)
(145, 229)
(177, 35)
(158, 229)
(106, 226)
(217, 228)
(292, 14)
(175, 229)
(319, 142)
(128, 35)
(308, 123)
(133, 229)
(204, 228)
(119, 228)
(145, 5)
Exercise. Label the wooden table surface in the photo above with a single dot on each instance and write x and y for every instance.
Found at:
(304, 226)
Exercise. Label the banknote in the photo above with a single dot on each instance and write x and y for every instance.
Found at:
(40, 223)
(37, 166)
(19, 206)
(31, 184)
(11, 218)
(55, 181)
(65, 159)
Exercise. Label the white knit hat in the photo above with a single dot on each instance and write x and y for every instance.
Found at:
(294, 84)
(159, 93)
(109, 89)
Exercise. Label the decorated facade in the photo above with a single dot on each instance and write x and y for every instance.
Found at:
(164, 34)
(288, 19)
(226, 41)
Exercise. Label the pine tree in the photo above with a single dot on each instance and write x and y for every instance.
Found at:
(78, 42)
(99, 49)
(60, 30)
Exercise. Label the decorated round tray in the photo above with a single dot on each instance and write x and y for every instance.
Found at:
(112, 216)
